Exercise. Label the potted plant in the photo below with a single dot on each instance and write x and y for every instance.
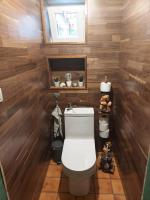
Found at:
(68, 77)
(80, 82)
(56, 81)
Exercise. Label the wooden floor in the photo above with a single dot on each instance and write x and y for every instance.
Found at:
(104, 186)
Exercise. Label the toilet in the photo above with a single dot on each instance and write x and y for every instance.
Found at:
(79, 155)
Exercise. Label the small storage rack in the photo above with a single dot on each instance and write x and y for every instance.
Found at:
(105, 116)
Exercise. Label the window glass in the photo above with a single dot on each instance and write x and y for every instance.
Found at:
(67, 23)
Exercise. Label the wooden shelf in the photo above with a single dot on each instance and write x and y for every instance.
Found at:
(68, 89)
(59, 66)
(104, 113)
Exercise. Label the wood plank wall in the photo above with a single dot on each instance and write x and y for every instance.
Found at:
(133, 95)
(102, 50)
(23, 79)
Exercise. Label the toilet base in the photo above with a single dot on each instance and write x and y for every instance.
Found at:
(79, 181)
(79, 186)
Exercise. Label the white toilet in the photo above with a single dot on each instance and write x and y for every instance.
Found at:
(79, 155)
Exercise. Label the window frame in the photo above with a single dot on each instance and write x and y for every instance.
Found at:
(79, 10)
(46, 26)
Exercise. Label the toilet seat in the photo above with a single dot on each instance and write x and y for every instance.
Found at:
(79, 154)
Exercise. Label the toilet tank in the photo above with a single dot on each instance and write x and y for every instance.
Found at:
(79, 123)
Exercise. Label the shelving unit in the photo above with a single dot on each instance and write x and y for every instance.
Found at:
(108, 116)
(58, 66)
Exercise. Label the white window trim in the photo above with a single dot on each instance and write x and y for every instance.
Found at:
(80, 9)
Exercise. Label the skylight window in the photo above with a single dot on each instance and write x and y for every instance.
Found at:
(67, 23)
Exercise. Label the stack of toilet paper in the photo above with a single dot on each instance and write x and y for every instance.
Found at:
(104, 127)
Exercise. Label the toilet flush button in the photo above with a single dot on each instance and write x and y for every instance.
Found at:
(1, 95)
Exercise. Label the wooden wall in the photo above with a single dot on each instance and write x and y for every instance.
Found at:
(23, 79)
(102, 50)
(132, 111)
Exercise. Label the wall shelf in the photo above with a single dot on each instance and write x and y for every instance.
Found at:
(58, 66)
(105, 113)
(67, 90)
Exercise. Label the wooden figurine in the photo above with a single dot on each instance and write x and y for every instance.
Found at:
(106, 161)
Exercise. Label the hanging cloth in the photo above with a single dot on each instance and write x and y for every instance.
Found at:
(57, 114)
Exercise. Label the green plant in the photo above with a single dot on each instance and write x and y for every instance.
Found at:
(81, 78)
(56, 79)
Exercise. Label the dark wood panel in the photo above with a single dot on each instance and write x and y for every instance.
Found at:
(102, 50)
(24, 126)
(132, 114)
(23, 78)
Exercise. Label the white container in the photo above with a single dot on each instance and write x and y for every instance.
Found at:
(74, 84)
(69, 83)
(104, 134)
(62, 84)
(80, 84)
(57, 84)
(105, 87)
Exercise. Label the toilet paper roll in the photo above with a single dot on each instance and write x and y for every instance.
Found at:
(103, 123)
(103, 126)
(104, 120)
(105, 87)
(104, 134)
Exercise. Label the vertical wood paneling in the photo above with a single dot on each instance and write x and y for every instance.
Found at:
(23, 79)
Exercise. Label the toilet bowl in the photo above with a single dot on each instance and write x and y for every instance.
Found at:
(78, 155)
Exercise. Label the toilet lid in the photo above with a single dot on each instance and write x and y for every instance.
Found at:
(79, 154)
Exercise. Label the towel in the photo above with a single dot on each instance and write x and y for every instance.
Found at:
(57, 114)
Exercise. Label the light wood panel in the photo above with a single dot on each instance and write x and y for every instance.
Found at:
(24, 80)
(133, 95)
